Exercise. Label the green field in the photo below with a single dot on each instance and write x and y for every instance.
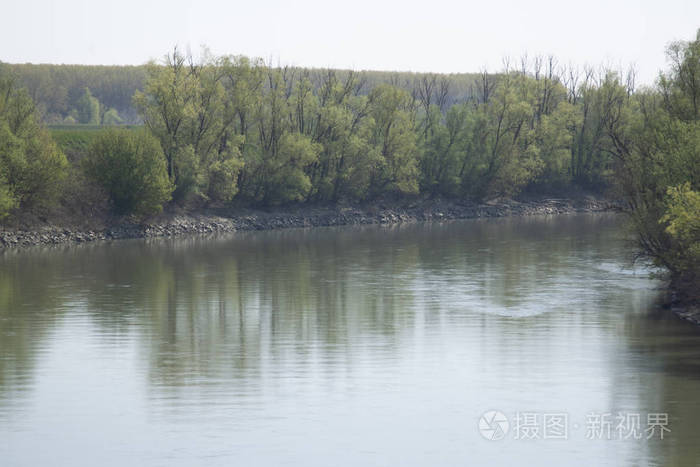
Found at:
(74, 140)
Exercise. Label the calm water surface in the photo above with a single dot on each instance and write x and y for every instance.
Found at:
(349, 346)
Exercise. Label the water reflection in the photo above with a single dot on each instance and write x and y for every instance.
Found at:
(297, 344)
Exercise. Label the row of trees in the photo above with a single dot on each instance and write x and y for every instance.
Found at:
(57, 90)
(230, 127)
(89, 110)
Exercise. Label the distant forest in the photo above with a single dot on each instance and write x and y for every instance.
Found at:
(59, 91)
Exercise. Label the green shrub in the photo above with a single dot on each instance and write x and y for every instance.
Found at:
(130, 166)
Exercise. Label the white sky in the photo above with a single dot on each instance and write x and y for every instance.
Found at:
(427, 35)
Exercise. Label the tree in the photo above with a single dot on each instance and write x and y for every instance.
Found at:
(31, 166)
(680, 87)
(167, 108)
(111, 117)
(131, 168)
(289, 181)
(657, 144)
(394, 140)
(500, 146)
(554, 138)
(339, 123)
(183, 105)
(88, 108)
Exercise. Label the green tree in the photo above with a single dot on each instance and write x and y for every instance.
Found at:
(131, 168)
(184, 106)
(680, 87)
(31, 166)
(337, 119)
(88, 108)
(554, 138)
(657, 144)
(111, 117)
(440, 157)
(289, 181)
(393, 138)
(505, 156)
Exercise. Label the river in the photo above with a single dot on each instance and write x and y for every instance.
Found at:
(517, 341)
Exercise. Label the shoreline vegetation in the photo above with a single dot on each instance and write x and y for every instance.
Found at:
(193, 144)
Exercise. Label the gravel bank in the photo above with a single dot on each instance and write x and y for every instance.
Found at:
(169, 225)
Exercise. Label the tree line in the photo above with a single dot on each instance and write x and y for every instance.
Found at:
(235, 127)
(58, 90)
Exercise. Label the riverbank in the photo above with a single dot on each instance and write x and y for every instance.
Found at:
(688, 312)
(683, 302)
(172, 224)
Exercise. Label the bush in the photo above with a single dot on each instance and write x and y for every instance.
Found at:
(130, 167)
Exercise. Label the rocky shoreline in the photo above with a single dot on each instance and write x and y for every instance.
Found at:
(688, 312)
(243, 219)
(682, 304)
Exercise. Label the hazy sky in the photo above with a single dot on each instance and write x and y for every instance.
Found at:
(427, 35)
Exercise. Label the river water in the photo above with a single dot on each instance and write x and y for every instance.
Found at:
(522, 341)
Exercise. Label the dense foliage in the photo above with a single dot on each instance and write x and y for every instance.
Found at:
(230, 126)
(130, 167)
(58, 90)
(234, 128)
(657, 143)
(31, 166)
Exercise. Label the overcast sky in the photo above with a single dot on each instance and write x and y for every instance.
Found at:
(427, 35)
